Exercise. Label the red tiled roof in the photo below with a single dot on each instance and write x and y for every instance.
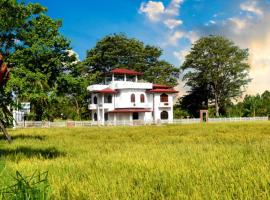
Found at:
(106, 91)
(158, 86)
(125, 71)
(162, 91)
(129, 110)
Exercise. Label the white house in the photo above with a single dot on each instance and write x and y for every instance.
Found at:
(123, 97)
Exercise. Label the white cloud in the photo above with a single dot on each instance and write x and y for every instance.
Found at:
(238, 24)
(153, 10)
(173, 8)
(180, 55)
(173, 38)
(172, 23)
(156, 12)
(252, 6)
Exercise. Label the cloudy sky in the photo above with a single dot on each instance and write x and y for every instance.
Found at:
(173, 25)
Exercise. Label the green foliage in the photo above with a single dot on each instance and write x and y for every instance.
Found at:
(252, 106)
(30, 188)
(118, 51)
(38, 53)
(197, 161)
(217, 68)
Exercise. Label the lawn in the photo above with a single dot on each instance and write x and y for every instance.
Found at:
(199, 161)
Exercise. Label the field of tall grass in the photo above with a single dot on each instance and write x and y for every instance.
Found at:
(199, 161)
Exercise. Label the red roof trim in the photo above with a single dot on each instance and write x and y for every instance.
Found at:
(129, 110)
(162, 91)
(106, 91)
(125, 71)
(158, 86)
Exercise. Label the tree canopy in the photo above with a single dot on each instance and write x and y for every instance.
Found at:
(37, 52)
(217, 69)
(119, 51)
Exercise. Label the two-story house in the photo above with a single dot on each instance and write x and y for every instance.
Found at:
(123, 97)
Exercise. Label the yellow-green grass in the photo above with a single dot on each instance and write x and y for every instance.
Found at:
(199, 161)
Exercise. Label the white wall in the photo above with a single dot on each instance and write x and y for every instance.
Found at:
(123, 100)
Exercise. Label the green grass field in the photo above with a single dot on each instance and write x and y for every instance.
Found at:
(202, 161)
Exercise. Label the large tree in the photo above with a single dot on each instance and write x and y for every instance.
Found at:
(219, 68)
(119, 51)
(37, 51)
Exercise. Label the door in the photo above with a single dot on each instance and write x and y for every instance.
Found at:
(135, 116)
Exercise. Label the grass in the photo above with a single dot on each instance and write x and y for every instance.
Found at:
(199, 161)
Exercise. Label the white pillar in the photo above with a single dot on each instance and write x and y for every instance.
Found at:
(103, 111)
(130, 118)
(114, 118)
(112, 77)
(125, 77)
(136, 78)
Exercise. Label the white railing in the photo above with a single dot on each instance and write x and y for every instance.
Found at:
(46, 124)
(238, 119)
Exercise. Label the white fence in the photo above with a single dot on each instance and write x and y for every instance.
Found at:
(46, 124)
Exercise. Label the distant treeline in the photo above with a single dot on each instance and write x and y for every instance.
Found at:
(251, 106)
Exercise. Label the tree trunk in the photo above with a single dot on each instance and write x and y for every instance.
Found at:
(2, 128)
(77, 108)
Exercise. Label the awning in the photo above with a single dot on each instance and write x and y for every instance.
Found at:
(162, 91)
(106, 91)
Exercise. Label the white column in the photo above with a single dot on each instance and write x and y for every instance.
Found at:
(103, 112)
(112, 77)
(136, 78)
(125, 77)
(130, 118)
(114, 118)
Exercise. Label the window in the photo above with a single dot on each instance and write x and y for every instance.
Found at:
(95, 116)
(164, 98)
(109, 99)
(131, 78)
(119, 77)
(132, 98)
(164, 115)
(95, 99)
(142, 98)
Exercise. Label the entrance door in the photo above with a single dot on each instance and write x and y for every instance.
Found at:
(135, 116)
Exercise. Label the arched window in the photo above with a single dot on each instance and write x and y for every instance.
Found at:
(95, 99)
(164, 115)
(142, 98)
(132, 98)
(95, 116)
(109, 99)
(164, 98)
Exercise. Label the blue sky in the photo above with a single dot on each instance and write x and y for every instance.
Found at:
(85, 22)
(172, 25)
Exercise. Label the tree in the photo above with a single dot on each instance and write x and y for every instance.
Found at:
(38, 52)
(218, 67)
(118, 51)
(5, 115)
(73, 86)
